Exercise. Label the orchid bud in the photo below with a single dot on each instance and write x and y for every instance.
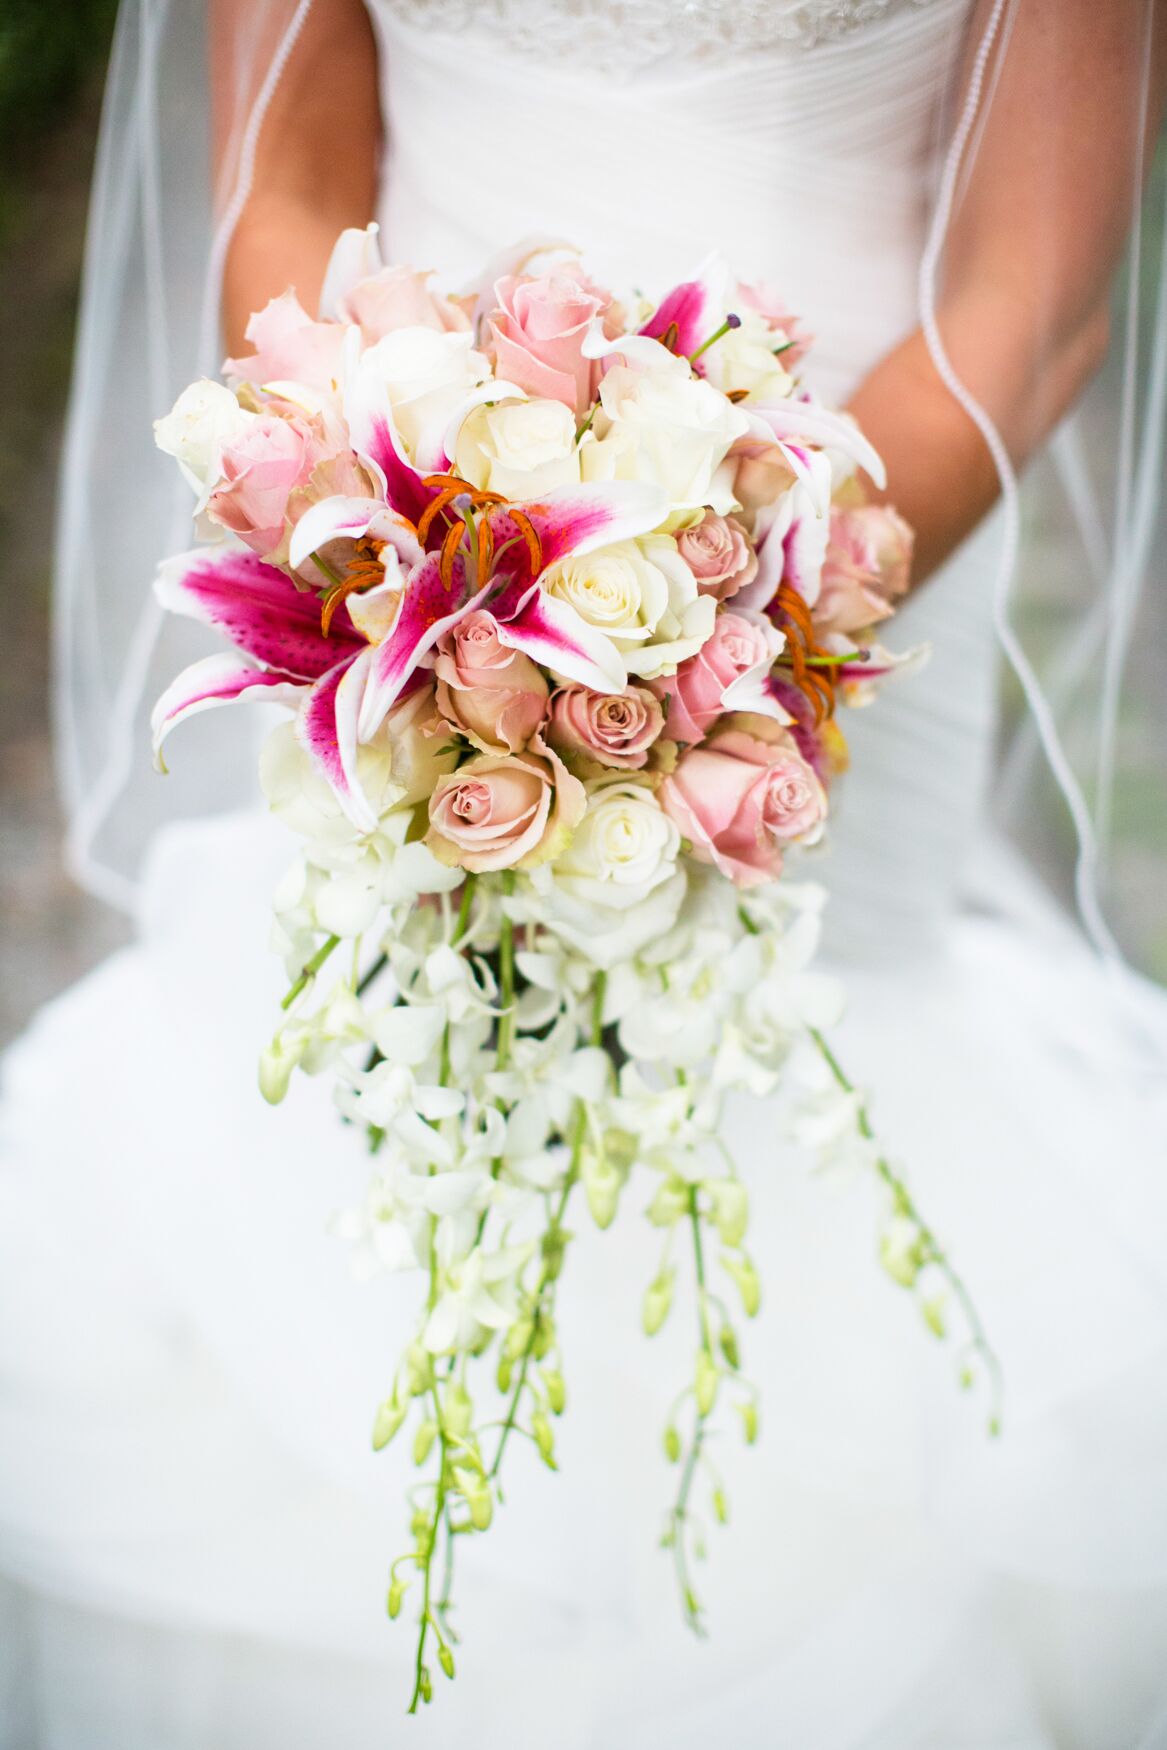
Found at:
(727, 1337)
(749, 1415)
(457, 1411)
(602, 1182)
(900, 1250)
(720, 1507)
(386, 1422)
(544, 1439)
(670, 1203)
(705, 1382)
(396, 1595)
(446, 1659)
(518, 1338)
(505, 1369)
(657, 1301)
(276, 1063)
(933, 1311)
(731, 1209)
(426, 1685)
(746, 1277)
(423, 1441)
(556, 1391)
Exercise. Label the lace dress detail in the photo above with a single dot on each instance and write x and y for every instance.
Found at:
(624, 36)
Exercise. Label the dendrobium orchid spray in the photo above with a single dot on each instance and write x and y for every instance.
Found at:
(564, 598)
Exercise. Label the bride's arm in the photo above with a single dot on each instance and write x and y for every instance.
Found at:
(316, 160)
(1030, 255)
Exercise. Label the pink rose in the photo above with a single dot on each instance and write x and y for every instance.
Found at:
(719, 555)
(697, 691)
(538, 331)
(290, 347)
(615, 728)
(494, 695)
(261, 467)
(504, 811)
(770, 307)
(867, 568)
(741, 797)
(397, 297)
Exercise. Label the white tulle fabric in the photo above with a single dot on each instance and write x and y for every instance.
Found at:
(194, 1527)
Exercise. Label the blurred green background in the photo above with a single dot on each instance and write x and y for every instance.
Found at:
(52, 60)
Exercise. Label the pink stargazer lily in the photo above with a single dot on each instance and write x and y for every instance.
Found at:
(345, 681)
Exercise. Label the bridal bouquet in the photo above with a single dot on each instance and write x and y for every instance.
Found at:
(563, 597)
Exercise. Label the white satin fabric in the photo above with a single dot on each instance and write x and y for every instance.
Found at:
(195, 1531)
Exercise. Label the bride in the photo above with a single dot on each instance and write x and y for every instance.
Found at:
(193, 1530)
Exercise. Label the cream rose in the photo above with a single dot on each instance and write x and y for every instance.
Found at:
(504, 811)
(642, 596)
(426, 372)
(522, 449)
(205, 417)
(617, 886)
(667, 426)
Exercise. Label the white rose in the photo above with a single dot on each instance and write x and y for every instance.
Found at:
(617, 886)
(204, 418)
(427, 374)
(745, 359)
(667, 426)
(522, 449)
(642, 596)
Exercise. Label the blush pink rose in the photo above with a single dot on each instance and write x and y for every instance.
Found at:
(494, 695)
(696, 692)
(617, 729)
(537, 333)
(742, 797)
(261, 468)
(719, 555)
(397, 297)
(504, 811)
(867, 568)
(290, 347)
(769, 306)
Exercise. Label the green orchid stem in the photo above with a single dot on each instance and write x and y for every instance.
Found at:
(310, 970)
(506, 979)
(680, 1513)
(933, 1249)
(546, 1278)
(427, 1620)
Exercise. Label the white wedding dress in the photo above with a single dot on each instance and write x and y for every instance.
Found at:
(194, 1531)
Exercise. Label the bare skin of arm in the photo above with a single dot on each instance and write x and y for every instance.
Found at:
(1031, 252)
(316, 160)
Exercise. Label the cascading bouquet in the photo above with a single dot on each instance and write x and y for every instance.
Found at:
(563, 596)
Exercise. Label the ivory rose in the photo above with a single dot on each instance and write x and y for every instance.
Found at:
(260, 467)
(537, 332)
(696, 693)
(494, 695)
(427, 376)
(719, 555)
(642, 596)
(617, 729)
(504, 811)
(866, 569)
(665, 425)
(522, 449)
(204, 418)
(741, 797)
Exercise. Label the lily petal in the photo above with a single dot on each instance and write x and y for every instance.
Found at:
(216, 680)
(356, 256)
(428, 608)
(552, 633)
(373, 432)
(342, 518)
(259, 608)
(805, 421)
(578, 519)
(696, 308)
(327, 729)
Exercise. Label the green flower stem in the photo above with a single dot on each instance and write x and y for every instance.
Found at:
(311, 969)
(547, 1277)
(374, 972)
(933, 1250)
(427, 1619)
(506, 979)
(680, 1514)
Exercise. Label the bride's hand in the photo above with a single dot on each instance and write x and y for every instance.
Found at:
(316, 159)
(1035, 239)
